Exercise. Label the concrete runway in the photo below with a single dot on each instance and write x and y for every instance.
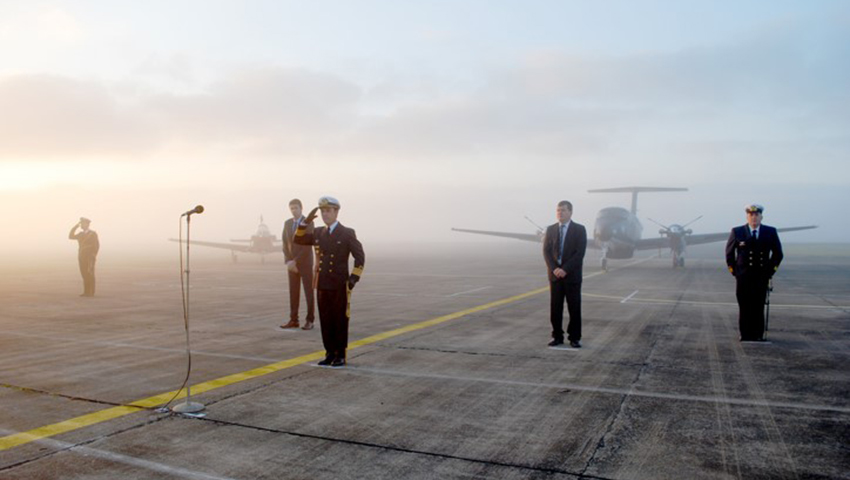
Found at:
(661, 389)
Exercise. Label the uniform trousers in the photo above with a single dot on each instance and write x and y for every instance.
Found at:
(560, 290)
(751, 292)
(333, 317)
(87, 271)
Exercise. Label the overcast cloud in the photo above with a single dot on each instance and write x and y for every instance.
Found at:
(429, 108)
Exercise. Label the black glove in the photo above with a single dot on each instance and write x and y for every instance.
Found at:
(311, 216)
(352, 281)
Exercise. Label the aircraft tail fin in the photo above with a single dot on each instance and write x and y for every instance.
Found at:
(635, 190)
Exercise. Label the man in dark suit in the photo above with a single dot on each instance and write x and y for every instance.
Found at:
(335, 244)
(87, 255)
(563, 250)
(299, 263)
(753, 255)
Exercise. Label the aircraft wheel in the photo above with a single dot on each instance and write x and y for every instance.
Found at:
(605, 264)
(682, 262)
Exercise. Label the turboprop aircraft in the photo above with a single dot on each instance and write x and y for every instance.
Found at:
(617, 231)
(262, 243)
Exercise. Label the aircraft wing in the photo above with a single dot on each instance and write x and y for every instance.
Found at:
(529, 237)
(227, 246)
(662, 242)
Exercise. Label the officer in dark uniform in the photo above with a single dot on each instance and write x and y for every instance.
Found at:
(335, 244)
(753, 255)
(89, 246)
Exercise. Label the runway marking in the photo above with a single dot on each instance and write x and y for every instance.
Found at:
(564, 348)
(129, 460)
(470, 291)
(13, 440)
(21, 438)
(629, 297)
(631, 392)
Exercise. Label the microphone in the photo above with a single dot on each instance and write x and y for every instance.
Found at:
(198, 209)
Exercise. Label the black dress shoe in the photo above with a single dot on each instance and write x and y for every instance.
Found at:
(338, 362)
(556, 342)
(327, 361)
(575, 343)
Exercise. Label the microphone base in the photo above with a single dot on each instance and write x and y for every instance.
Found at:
(188, 407)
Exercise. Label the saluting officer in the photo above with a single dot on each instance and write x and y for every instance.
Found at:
(335, 243)
(753, 254)
(87, 255)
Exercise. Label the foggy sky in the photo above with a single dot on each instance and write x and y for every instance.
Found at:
(418, 118)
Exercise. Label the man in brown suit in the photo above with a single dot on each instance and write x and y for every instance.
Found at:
(299, 263)
(89, 246)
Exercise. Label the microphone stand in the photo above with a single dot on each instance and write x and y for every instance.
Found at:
(188, 406)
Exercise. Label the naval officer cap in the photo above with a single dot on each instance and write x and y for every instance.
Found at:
(328, 201)
(754, 208)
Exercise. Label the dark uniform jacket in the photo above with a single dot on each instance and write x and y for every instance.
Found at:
(334, 249)
(89, 243)
(302, 254)
(748, 256)
(572, 258)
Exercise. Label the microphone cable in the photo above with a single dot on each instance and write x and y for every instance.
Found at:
(164, 408)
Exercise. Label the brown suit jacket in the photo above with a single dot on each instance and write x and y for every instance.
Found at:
(302, 254)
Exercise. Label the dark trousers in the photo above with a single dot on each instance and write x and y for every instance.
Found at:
(333, 316)
(296, 280)
(87, 272)
(751, 292)
(571, 292)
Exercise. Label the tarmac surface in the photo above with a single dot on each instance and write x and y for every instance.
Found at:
(449, 375)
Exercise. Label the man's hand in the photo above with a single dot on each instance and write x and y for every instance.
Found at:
(290, 265)
(559, 272)
(311, 216)
(352, 281)
(732, 271)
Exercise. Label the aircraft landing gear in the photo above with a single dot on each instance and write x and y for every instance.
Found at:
(604, 259)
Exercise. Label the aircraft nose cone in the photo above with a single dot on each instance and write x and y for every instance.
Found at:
(604, 231)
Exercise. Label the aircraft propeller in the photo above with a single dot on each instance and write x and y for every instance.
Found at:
(674, 229)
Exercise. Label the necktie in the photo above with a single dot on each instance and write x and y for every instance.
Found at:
(561, 243)
(756, 234)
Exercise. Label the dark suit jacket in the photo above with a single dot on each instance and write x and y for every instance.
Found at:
(749, 256)
(334, 250)
(302, 254)
(575, 244)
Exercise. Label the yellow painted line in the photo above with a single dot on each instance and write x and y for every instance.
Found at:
(82, 421)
